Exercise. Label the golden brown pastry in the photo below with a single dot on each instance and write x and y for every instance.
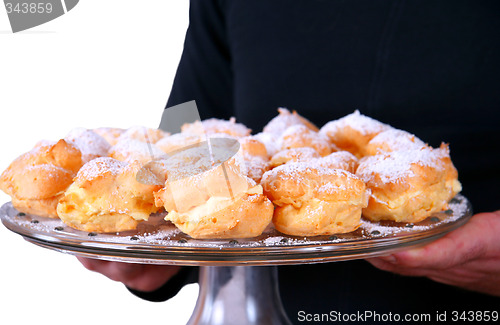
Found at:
(91, 144)
(130, 150)
(337, 160)
(178, 141)
(392, 140)
(214, 201)
(353, 132)
(250, 145)
(271, 141)
(210, 187)
(143, 134)
(293, 155)
(284, 120)
(408, 186)
(313, 201)
(110, 134)
(299, 136)
(213, 125)
(252, 158)
(197, 158)
(37, 179)
(106, 197)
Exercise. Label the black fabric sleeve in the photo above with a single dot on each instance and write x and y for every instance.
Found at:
(204, 73)
(187, 275)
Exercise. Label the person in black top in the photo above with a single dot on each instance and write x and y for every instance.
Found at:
(429, 67)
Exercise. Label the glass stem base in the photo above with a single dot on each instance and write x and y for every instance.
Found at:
(240, 295)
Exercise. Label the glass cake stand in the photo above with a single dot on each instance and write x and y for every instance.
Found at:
(238, 278)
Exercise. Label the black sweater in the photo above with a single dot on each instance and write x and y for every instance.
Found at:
(429, 67)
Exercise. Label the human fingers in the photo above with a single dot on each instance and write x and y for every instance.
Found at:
(152, 277)
(388, 264)
(476, 239)
(116, 271)
(142, 277)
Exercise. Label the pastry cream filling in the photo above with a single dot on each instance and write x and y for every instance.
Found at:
(456, 186)
(95, 205)
(213, 204)
(399, 202)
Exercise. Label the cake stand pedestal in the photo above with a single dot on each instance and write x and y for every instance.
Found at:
(238, 278)
(246, 295)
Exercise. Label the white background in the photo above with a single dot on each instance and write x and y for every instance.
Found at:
(104, 63)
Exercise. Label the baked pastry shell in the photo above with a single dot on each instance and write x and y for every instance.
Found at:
(245, 217)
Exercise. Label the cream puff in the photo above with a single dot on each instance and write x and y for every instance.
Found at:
(37, 179)
(213, 200)
(299, 136)
(91, 144)
(353, 132)
(408, 186)
(293, 155)
(392, 140)
(284, 120)
(106, 197)
(110, 134)
(130, 150)
(213, 125)
(143, 134)
(313, 201)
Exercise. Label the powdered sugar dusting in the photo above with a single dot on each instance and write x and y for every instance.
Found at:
(45, 143)
(299, 135)
(361, 123)
(394, 139)
(213, 125)
(252, 166)
(395, 166)
(318, 180)
(178, 141)
(99, 167)
(338, 160)
(295, 170)
(91, 144)
(271, 141)
(332, 188)
(129, 150)
(283, 121)
(143, 134)
(302, 154)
